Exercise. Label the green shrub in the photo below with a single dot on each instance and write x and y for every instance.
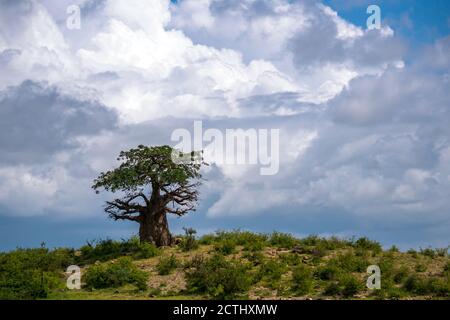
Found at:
(104, 250)
(401, 274)
(367, 244)
(420, 267)
(217, 277)
(291, 259)
(387, 266)
(189, 242)
(166, 265)
(413, 253)
(439, 287)
(146, 250)
(283, 240)
(272, 270)
(256, 258)
(226, 246)
(328, 272)
(415, 284)
(302, 280)
(207, 239)
(441, 252)
(32, 273)
(114, 275)
(428, 252)
(447, 267)
(332, 289)
(394, 249)
(350, 263)
(350, 286)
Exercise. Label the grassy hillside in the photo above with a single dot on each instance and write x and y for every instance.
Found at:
(227, 265)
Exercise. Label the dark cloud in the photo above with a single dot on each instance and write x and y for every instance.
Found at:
(37, 121)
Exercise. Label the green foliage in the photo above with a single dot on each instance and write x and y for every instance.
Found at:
(413, 253)
(401, 274)
(283, 240)
(291, 259)
(256, 258)
(32, 273)
(415, 284)
(428, 252)
(350, 285)
(104, 250)
(142, 165)
(441, 252)
(271, 271)
(302, 280)
(226, 246)
(249, 240)
(189, 242)
(447, 268)
(439, 287)
(115, 274)
(350, 263)
(328, 272)
(394, 249)
(421, 267)
(367, 244)
(218, 277)
(332, 289)
(167, 264)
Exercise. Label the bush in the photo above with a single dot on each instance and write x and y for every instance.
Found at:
(256, 258)
(217, 277)
(350, 263)
(413, 253)
(32, 273)
(328, 272)
(428, 252)
(401, 274)
(291, 259)
(115, 274)
(447, 267)
(104, 250)
(439, 287)
(145, 250)
(441, 252)
(367, 244)
(350, 286)
(332, 289)
(302, 281)
(226, 246)
(415, 284)
(394, 249)
(283, 240)
(420, 267)
(166, 265)
(189, 242)
(272, 271)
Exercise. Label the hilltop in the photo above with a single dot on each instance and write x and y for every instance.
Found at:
(227, 265)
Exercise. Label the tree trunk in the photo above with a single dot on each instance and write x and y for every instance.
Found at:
(154, 228)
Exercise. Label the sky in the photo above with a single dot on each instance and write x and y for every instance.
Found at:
(363, 113)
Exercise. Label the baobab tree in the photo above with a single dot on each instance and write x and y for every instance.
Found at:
(152, 185)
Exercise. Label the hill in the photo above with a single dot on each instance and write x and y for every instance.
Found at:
(227, 265)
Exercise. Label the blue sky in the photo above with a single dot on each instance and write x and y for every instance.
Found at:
(363, 115)
(418, 21)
